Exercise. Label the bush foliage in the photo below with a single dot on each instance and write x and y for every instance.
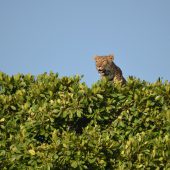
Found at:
(47, 122)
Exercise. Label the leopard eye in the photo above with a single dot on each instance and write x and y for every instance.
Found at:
(105, 62)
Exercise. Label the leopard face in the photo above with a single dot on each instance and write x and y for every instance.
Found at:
(104, 65)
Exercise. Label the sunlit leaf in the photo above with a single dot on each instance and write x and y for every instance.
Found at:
(31, 151)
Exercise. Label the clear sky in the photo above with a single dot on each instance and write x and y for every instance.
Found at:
(38, 36)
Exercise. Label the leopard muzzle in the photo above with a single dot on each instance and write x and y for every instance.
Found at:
(103, 72)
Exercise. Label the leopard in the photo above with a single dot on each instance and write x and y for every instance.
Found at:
(107, 68)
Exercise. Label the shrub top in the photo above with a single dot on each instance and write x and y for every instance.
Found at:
(48, 122)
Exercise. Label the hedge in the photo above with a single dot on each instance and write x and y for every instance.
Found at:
(51, 122)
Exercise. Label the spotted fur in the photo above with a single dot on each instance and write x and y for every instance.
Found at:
(107, 68)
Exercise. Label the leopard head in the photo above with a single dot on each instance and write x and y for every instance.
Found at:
(104, 65)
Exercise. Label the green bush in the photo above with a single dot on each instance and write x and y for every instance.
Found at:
(47, 122)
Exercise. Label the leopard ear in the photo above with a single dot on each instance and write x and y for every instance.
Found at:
(111, 57)
(95, 57)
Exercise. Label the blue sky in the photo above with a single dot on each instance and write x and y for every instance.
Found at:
(63, 36)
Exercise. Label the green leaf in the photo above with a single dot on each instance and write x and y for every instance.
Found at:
(2, 120)
(17, 77)
(65, 114)
(79, 112)
(99, 96)
(13, 108)
(89, 109)
(91, 160)
(74, 164)
(31, 151)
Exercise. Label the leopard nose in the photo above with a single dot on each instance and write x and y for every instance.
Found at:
(100, 69)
